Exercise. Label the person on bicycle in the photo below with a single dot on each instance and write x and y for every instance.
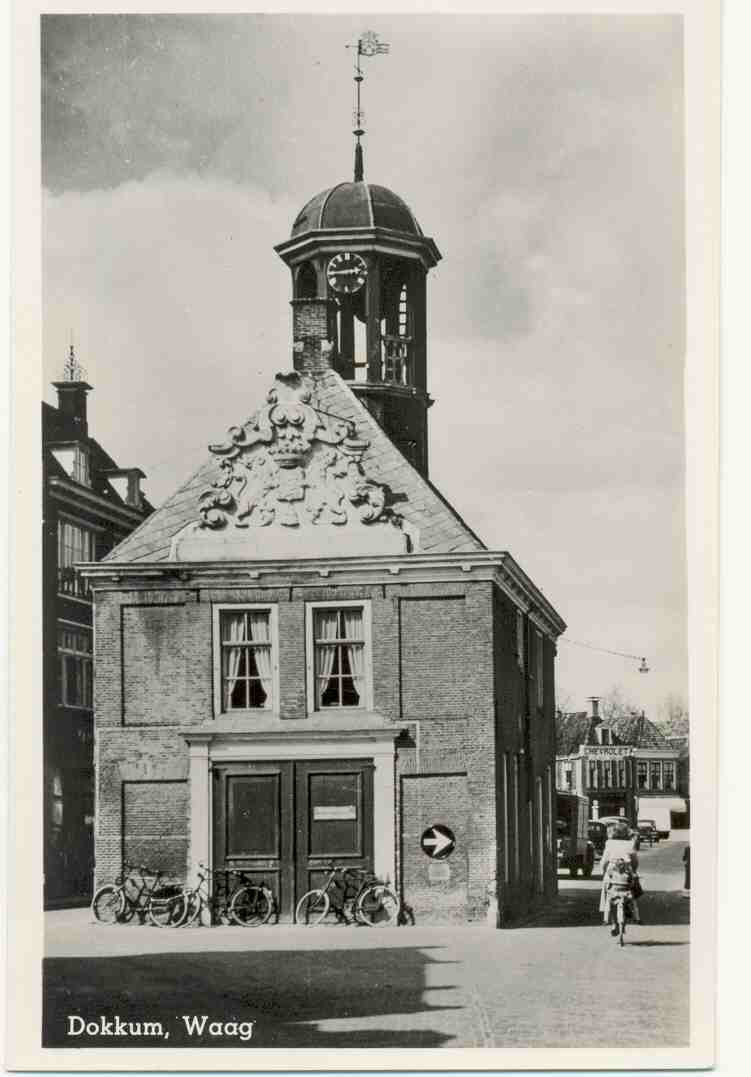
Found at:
(619, 882)
(620, 844)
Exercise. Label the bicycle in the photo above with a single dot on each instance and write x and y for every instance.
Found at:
(248, 904)
(621, 902)
(352, 891)
(133, 894)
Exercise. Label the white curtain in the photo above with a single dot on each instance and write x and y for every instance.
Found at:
(259, 633)
(325, 628)
(355, 651)
(233, 631)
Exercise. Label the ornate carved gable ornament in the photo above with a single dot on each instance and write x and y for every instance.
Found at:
(290, 466)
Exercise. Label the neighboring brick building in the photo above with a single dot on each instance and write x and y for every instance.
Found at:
(305, 654)
(89, 506)
(625, 765)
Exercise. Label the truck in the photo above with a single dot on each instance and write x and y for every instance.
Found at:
(575, 851)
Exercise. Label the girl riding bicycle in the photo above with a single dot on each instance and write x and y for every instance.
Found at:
(619, 882)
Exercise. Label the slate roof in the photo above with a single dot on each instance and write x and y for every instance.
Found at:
(441, 528)
(59, 429)
(636, 730)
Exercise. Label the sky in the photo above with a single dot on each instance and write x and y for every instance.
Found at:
(544, 154)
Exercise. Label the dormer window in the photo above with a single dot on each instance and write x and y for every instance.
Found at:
(76, 461)
(126, 482)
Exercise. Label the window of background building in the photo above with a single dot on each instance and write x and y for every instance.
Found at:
(75, 461)
(506, 821)
(75, 664)
(247, 658)
(621, 772)
(520, 639)
(539, 669)
(341, 655)
(74, 543)
(592, 775)
(668, 775)
(56, 801)
(517, 793)
(655, 774)
(641, 774)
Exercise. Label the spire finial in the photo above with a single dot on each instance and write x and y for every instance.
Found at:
(368, 44)
(73, 371)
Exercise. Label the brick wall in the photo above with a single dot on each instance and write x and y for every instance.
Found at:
(444, 670)
(436, 891)
(155, 825)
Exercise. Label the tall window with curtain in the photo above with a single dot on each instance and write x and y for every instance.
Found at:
(246, 659)
(339, 657)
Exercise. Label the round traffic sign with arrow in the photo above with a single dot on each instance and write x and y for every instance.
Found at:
(438, 842)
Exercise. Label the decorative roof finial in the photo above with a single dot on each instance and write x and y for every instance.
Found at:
(368, 44)
(73, 371)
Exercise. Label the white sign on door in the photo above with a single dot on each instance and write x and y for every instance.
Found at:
(334, 811)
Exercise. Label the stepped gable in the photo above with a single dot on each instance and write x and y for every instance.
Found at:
(310, 474)
(636, 730)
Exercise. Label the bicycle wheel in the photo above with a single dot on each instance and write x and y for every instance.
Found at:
(192, 907)
(108, 904)
(312, 908)
(250, 906)
(378, 906)
(168, 909)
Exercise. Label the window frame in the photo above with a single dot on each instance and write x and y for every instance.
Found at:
(272, 608)
(539, 669)
(520, 648)
(83, 656)
(81, 592)
(365, 704)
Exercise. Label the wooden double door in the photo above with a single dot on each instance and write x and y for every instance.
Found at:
(283, 821)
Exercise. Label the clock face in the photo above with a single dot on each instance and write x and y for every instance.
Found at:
(347, 272)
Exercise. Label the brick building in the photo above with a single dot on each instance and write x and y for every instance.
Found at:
(305, 654)
(89, 505)
(624, 765)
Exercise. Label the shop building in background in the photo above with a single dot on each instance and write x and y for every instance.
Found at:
(624, 765)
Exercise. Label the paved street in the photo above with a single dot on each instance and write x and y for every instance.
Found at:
(554, 981)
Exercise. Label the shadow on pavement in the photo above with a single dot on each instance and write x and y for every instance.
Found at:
(656, 942)
(285, 994)
(580, 908)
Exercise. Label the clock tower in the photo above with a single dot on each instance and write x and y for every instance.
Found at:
(359, 264)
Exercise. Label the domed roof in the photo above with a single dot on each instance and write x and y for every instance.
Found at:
(356, 205)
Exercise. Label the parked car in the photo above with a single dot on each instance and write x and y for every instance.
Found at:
(598, 835)
(613, 820)
(648, 830)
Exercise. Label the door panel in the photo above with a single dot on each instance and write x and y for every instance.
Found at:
(253, 815)
(334, 817)
(281, 822)
(252, 825)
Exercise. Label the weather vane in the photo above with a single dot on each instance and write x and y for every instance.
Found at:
(368, 44)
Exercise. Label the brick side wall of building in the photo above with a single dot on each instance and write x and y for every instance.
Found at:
(435, 890)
